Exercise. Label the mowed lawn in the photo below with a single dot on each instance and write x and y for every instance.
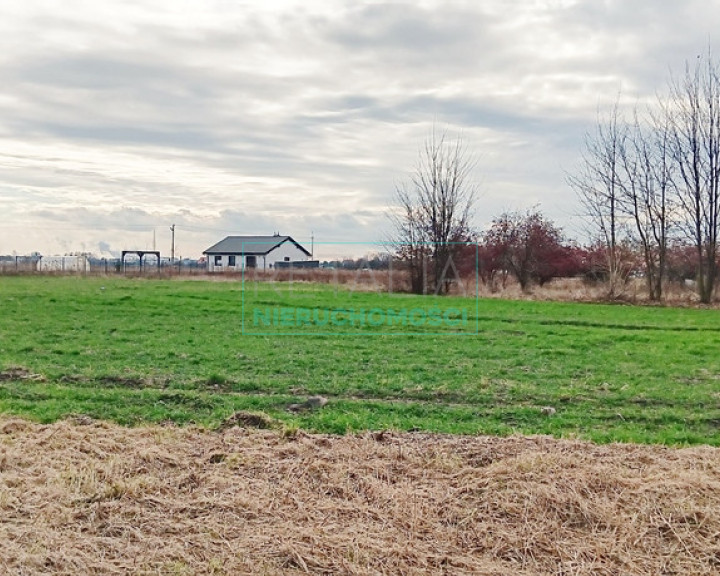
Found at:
(143, 350)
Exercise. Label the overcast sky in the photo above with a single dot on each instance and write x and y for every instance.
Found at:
(120, 118)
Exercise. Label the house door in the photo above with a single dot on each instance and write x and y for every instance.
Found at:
(251, 261)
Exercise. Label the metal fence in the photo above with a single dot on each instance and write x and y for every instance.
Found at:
(74, 265)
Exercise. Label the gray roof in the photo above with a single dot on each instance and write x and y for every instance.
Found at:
(257, 245)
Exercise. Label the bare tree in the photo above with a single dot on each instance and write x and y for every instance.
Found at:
(694, 112)
(434, 212)
(645, 192)
(411, 240)
(598, 186)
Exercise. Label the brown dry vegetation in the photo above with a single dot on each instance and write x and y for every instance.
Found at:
(558, 289)
(85, 497)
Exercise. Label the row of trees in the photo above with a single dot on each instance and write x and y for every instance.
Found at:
(649, 181)
(435, 241)
(651, 178)
(434, 238)
(530, 249)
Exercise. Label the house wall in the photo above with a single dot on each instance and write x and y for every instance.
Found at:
(224, 265)
(285, 250)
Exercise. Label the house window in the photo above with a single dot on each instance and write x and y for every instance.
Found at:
(287, 258)
(231, 261)
(218, 260)
(251, 261)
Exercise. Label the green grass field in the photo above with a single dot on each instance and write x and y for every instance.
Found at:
(138, 351)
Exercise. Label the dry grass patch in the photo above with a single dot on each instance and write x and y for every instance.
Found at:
(84, 497)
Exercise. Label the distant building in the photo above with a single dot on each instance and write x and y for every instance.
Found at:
(236, 253)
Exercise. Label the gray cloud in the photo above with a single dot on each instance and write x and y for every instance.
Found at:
(122, 117)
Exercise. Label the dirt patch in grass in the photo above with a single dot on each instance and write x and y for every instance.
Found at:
(116, 381)
(124, 381)
(102, 499)
(18, 373)
(248, 420)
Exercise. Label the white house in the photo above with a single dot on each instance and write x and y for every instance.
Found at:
(236, 253)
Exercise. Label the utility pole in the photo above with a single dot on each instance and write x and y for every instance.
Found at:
(172, 248)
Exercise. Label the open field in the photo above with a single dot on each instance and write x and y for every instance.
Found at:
(137, 351)
(220, 495)
(88, 497)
